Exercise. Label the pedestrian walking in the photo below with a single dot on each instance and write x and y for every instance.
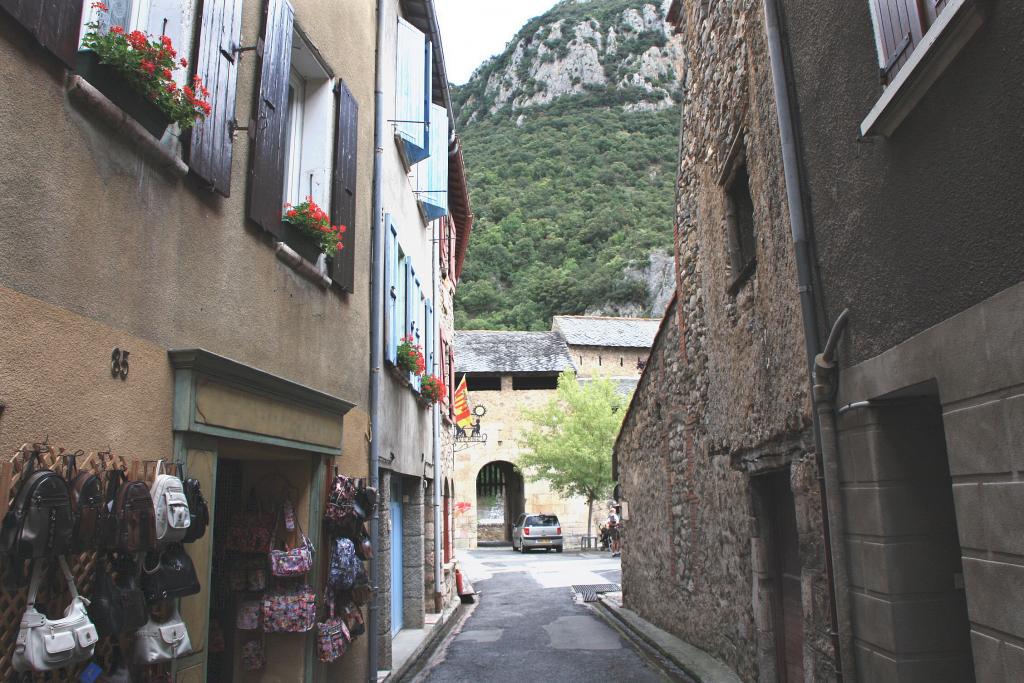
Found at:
(615, 531)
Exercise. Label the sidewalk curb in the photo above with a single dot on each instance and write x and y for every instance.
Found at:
(695, 662)
(422, 654)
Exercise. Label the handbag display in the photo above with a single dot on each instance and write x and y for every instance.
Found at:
(158, 642)
(130, 523)
(344, 566)
(198, 510)
(253, 656)
(170, 505)
(86, 490)
(40, 521)
(169, 574)
(343, 513)
(289, 611)
(46, 644)
(295, 561)
(354, 620)
(250, 530)
(332, 637)
(248, 617)
(117, 606)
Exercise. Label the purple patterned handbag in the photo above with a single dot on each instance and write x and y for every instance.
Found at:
(292, 561)
(289, 611)
(332, 637)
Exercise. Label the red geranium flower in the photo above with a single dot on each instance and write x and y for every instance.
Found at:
(117, 30)
(172, 86)
(184, 63)
(100, 6)
(147, 66)
(167, 74)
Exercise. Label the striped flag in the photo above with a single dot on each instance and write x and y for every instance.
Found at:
(463, 415)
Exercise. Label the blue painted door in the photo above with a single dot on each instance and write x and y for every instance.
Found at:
(397, 583)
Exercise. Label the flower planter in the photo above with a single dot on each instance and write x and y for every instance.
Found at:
(113, 85)
(303, 245)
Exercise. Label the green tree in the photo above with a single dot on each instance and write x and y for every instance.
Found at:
(569, 441)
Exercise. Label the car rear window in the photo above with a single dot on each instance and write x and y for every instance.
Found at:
(542, 520)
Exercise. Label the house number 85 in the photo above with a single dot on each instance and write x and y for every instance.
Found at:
(119, 364)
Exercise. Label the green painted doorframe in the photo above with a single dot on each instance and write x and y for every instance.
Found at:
(189, 434)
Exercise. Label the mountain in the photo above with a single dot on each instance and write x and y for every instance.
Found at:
(571, 137)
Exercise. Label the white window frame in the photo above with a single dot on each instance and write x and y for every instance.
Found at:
(180, 26)
(309, 149)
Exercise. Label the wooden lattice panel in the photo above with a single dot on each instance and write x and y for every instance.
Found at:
(53, 594)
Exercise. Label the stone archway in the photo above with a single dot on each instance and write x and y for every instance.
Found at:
(500, 499)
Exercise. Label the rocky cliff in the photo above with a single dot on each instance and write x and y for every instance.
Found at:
(571, 139)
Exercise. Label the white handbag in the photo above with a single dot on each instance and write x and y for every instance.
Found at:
(171, 506)
(158, 642)
(46, 644)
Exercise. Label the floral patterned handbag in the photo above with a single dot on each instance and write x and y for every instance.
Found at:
(292, 561)
(250, 530)
(253, 656)
(248, 617)
(332, 637)
(289, 611)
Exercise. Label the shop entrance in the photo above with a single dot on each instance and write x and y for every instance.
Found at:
(500, 500)
(258, 489)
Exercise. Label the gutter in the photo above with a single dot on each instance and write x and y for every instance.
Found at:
(376, 340)
(824, 418)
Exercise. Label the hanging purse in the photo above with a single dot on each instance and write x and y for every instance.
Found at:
(253, 656)
(158, 642)
(295, 561)
(117, 606)
(168, 574)
(250, 530)
(198, 509)
(86, 490)
(354, 620)
(46, 644)
(248, 617)
(332, 637)
(289, 611)
(171, 506)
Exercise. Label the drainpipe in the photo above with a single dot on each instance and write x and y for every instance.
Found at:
(436, 410)
(376, 338)
(824, 434)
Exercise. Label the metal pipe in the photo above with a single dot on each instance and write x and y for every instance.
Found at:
(835, 556)
(436, 410)
(376, 340)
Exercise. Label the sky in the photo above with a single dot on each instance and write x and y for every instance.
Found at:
(473, 30)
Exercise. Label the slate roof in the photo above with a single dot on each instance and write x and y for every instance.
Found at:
(511, 352)
(583, 330)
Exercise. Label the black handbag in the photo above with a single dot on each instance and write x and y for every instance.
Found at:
(168, 574)
(117, 606)
(198, 509)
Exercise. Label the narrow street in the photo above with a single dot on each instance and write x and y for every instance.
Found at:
(528, 627)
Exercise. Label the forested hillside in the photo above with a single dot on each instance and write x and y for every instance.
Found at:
(571, 138)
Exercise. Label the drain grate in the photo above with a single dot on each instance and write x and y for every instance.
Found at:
(590, 591)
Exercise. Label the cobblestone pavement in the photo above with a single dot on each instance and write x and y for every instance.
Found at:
(527, 628)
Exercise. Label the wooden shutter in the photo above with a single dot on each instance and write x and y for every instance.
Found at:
(391, 276)
(212, 141)
(433, 181)
(898, 29)
(343, 191)
(410, 113)
(54, 24)
(266, 175)
(442, 246)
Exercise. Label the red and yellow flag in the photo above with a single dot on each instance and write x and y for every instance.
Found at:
(463, 415)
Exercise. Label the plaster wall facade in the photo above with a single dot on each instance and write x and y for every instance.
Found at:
(722, 408)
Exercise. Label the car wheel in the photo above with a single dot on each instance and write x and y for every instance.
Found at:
(522, 549)
(514, 549)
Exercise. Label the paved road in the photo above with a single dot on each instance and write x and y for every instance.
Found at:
(528, 629)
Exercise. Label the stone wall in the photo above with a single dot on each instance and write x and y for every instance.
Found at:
(724, 400)
(607, 361)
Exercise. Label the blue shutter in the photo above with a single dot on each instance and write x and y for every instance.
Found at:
(428, 93)
(432, 181)
(410, 115)
(417, 314)
(390, 289)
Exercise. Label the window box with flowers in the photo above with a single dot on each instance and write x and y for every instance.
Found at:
(409, 357)
(308, 230)
(135, 72)
(432, 390)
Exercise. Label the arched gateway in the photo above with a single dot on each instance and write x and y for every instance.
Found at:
(500, 498)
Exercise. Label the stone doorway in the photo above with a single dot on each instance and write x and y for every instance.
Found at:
(499, 500)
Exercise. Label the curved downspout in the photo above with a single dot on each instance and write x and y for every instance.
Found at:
(376, 339)
(824, 416)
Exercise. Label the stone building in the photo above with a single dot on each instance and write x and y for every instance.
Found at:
(507, 372)
(716, 458)
(914, 201)
(152, 300)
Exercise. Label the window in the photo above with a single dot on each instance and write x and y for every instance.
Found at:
(739, 224)
(483, 383)
(413, 86)
(431, 180)
(534, 383)
(309, 127)
(916, 40)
